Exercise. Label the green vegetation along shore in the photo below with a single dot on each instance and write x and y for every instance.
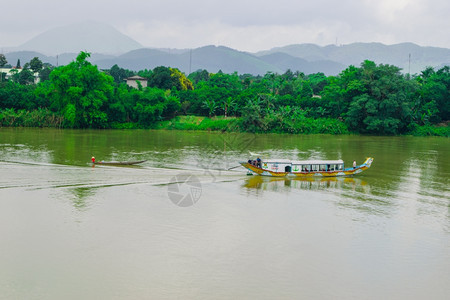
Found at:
(369, 99)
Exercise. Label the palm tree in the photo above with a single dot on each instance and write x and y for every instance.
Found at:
(211, 106)
(228, 104)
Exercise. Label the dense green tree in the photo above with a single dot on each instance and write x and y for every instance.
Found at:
(341, 90)
(14, 75)
(3, 60)
(121, 104)
(120, 74)
(44, 74)
(197, 76)
(80, 91)
(161, 78)
(318, 82)
(25, 76)
(155, 105)
(16, 96)
(433, 105)
(230, 82)
(145, 73)
(169, 78)
(287, 88)
(305, 90)
(180, 81)
(383, 107)
(288, 75)
(36, 65)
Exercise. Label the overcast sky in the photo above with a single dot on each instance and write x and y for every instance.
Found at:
(247, 25)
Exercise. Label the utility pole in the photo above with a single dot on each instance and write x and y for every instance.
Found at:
(190, 61)
(409, 65)
(1, 70)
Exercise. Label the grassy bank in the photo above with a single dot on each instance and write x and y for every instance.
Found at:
(47, 118)
(34, 118)
(428, 130)
(200, 123)
(232, 124)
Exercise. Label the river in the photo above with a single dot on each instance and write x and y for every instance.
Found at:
(186, 224)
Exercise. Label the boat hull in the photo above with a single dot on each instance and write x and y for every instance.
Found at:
(345, 172)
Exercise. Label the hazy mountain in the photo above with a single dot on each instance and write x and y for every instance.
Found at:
(86, 36)
(109, 47)
(354, 54)
(211, 58)
(27, 56)
(141, 59)
(285, 61)
(63, 59)
(228, 60)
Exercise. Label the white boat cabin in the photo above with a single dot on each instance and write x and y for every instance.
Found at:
(285, 165)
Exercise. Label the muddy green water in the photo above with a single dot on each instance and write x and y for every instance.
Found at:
(182, 226)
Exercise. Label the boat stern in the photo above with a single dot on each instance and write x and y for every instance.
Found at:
(251, 167)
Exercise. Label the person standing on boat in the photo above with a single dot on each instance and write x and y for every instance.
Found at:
(354, 164)
(93, 160)
(258, 162)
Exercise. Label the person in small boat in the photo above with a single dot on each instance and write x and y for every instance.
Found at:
(258, 162)
(93, 160)
(354, 164)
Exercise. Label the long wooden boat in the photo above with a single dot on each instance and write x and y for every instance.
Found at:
(119, 163)
(304, 168)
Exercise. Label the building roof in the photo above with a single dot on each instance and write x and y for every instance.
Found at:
(304, 162)
(136, 77)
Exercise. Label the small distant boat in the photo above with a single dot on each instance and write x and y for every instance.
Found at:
(304, 168)
(118, 163)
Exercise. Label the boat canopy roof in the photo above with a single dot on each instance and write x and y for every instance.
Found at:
(304, 162)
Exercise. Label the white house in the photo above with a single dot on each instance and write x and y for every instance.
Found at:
(11, 71)
(133, 81)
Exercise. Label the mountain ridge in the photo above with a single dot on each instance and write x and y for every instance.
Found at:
(109, 47)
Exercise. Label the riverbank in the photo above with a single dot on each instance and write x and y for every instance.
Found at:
(303, 125)
(233, 124)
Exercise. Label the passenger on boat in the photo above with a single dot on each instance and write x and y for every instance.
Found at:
(258, 162)
(93, 160)
(354, 164)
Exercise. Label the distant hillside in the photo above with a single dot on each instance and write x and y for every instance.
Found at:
(141, 59)
(306, 58)
(211, 58)
(229, 60)
(27, 56)
(354, 54)
(63, 59)
(285, 61)
(89, 36)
